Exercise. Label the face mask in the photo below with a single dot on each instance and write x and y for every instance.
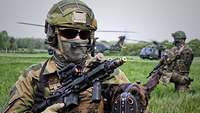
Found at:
(178, 43)
(75, 50)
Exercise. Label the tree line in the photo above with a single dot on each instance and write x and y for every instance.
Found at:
(25, 44)
(31, 45)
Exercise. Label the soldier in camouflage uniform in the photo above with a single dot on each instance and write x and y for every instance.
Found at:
(70, 27)
(180, 58)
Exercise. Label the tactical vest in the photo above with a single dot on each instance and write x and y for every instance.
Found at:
(182, 65)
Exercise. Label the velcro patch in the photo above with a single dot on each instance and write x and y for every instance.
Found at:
(79, 17)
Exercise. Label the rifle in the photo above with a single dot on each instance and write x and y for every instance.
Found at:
(159, 66)
(74, 82)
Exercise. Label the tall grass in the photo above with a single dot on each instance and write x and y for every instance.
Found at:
(163, 98)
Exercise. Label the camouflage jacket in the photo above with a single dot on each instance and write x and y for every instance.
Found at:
(23, 93)
(183, 60)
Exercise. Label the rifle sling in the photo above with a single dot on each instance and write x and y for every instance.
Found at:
(39, 93)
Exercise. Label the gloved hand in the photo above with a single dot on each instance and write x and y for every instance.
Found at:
(54, 108)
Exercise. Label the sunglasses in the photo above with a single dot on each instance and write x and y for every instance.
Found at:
(72, 33)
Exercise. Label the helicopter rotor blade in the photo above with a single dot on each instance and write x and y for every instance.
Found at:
(39, 25)
(24, 23)
(137, 40)
(113, 31)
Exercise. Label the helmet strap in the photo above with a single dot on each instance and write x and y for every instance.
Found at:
(92, 43)
(60, 46)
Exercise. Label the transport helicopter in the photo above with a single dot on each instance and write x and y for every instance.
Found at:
(104, 46)
(152, 51)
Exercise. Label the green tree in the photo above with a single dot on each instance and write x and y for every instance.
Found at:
(4, 40)
(195, 45)
(166, 44)
(12, 44)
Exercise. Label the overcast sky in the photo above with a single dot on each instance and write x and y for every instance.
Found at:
(150, 19)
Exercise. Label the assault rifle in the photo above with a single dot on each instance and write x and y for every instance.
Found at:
(74, 82)
(158, 67)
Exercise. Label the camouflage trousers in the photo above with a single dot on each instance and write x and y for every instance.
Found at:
(181, 81)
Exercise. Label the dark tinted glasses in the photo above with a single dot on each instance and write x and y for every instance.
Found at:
(72, 33)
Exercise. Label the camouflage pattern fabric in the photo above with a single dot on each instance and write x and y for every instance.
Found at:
(178, 71)
(23, 93)
(63, 14)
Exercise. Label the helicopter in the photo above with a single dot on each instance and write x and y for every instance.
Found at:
(152, 51)
(101, 47)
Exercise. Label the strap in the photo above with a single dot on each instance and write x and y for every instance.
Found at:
(39, 94)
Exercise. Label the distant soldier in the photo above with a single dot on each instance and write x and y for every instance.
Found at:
(178, 61)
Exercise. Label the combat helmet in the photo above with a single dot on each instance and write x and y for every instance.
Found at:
(178, 35)
(69, 14)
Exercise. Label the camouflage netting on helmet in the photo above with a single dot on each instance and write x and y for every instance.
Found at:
(179, 35)
(72, 13)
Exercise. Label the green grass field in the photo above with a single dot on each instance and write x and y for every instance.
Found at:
(163, 98)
